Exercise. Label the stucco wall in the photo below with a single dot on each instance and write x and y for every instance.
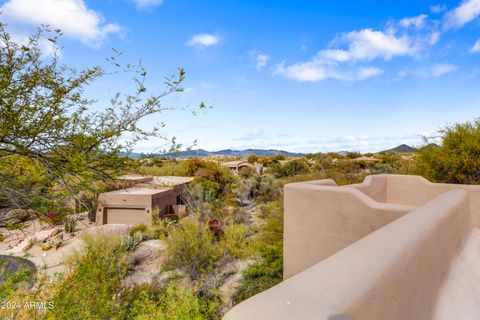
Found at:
(321, 219)
(393, 247)
(401, 271)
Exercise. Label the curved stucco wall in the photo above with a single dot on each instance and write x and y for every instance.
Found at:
(321, 219)
(412, 268)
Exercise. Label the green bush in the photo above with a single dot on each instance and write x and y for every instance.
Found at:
(140, 228)
(12, 281)
(457, 160)
(268, 270)
(235, 240)
(192, 248)
(131, 241)
(172, 302)
(90, 289)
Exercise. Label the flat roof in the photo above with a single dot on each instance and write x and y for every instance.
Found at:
(141, 191)
(134, 177)
(170, 180)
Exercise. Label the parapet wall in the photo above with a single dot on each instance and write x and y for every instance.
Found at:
(415, 262)
(321, 219)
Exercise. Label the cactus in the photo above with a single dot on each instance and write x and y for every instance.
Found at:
(69, 225)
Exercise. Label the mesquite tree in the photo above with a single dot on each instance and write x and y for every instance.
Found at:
(51, 142)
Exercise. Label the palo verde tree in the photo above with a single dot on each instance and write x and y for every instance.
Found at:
(457, 159)
(52, 143)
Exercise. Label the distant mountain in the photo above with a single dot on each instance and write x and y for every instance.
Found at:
(403, 148)
(226, 152)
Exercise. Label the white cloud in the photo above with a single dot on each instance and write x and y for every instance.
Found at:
(262, 60)
(363, 45)
(302, 72)
(203, 40)
(434, 37)
(468, 11)
(146, 4)
(417, 22)
(369, 72)
(439, 8)
(368, 44)
(73, 17)
(314, 72)
(476, 47)
(442, 69)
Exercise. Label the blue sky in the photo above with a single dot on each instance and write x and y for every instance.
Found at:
(297, 75)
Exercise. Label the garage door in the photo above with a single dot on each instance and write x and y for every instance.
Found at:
(125, 215)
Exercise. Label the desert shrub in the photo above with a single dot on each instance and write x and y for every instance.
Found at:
(131, 241)
(291, 168)
(57, 242)
(90, 289)
(172, 302)
(252, 158)
(140, 228)
(164, 168)
(457, 160)
(268, 270)
(247, 172)
(192, 248)
(10, 281)
(258, 187)
(235, 240)
(54, 217)
(353, 155)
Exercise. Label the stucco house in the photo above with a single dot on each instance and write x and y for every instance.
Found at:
(144, 197)
(393, 247)
(367, 159)
(236, 166)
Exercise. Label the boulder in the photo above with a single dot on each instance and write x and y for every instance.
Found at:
(17, 215)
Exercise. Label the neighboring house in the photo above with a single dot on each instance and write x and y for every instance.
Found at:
(236, 166)
(367, 159)
(142, 198)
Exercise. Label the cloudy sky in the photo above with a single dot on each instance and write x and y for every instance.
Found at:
(298, 75)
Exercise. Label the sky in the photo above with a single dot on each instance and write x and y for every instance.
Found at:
(296, 75)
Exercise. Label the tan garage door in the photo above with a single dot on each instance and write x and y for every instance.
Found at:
(125, 215)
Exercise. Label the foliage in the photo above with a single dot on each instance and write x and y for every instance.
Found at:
(140, 228)
(172, 302)
(95, 279)
(130, 241)
(457, 160)
(291, 168)
(268, 270)
(258, 187)
(57, 242)
(235, 240)
(252, 158)
(51, 141)
(192, 248)
(11, 281)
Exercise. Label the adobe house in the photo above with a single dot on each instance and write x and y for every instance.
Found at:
(393, 247)
(136, 205)
(236, 166)
(367, 159)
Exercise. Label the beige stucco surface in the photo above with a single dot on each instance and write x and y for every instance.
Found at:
(393, 247)
(134, 205)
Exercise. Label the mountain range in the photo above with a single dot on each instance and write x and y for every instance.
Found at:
(403, 148)
(226, 152)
